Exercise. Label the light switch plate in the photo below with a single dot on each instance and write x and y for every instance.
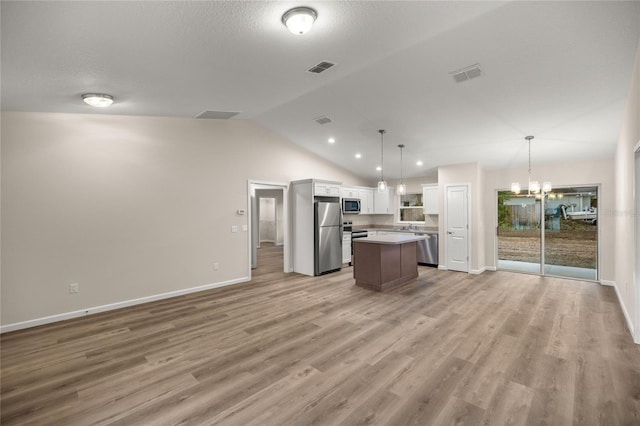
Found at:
(234, 228)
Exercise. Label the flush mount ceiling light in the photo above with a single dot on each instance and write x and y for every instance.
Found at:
(332, 140)
(402, 188)
(534, 185)
(99, 100)
(299, 19)
(382, 184)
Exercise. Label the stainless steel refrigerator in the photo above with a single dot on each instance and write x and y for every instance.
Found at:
(328, 236)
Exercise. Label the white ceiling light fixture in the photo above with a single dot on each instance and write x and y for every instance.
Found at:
(402, 188)
(299, 20)
(419, 163)
(534, 185)
(358, 155)
(382, 184)
(378, 168)
(332, 140)
(99, 100)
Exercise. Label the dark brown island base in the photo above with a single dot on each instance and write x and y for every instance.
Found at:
(386, 261)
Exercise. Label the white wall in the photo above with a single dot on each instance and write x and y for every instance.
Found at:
(129, 207)
(625, 215)
(562, 174)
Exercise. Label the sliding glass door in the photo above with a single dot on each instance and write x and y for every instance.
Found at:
(571, 233)
(562, 241)
(519, 240)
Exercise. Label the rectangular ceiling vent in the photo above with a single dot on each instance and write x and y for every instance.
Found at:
(323, 120)
(467, 73)
(321, 67)
(217, 115)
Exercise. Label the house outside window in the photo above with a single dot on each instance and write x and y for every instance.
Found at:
(410, 208)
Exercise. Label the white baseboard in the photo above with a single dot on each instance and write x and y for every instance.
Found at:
(624, 309)
(442, 268)
(478, 271)
(491, 268)
(112, 306)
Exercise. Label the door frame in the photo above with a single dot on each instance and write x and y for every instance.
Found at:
(275, 218)
(252, 185)
(446, 226)
(636, 271)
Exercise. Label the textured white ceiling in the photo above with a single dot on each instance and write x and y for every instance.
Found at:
(556, 70)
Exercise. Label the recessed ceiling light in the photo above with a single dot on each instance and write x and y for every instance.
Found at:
(378, 168)
(332, 140)
(99, 100)
(358, 155)
(299, 20)
(418, 163)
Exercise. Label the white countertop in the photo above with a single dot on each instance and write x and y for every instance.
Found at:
(391, 239)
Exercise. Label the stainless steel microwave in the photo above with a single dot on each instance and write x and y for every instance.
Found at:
(350, 206)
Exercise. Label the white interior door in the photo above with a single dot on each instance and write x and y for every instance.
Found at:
(457, 226)
(637, 242)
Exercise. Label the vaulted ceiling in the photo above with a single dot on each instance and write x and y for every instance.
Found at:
(557, 70)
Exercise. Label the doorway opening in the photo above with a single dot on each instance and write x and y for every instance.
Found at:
(268, 234)
(555, 234)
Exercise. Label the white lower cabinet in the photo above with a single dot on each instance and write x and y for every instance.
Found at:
(346, 247)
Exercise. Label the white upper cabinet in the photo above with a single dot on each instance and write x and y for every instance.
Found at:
(430, 198)
(326, 189)
(349, 192)
(383, 201)
(366, 200)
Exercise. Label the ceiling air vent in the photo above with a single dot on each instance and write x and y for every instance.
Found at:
(217, 115)
(321, 67)
(467, 73)
(323, 120)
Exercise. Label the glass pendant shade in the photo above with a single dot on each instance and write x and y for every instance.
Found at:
(534, 186)
(546, 187)
(382, 186)
(515, 187)
(402, 189)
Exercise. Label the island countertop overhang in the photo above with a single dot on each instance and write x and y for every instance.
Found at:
(391, 239)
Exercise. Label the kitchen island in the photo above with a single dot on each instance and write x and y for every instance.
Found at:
(384, 262)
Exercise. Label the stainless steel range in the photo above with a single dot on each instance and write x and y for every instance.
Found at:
(354, 235)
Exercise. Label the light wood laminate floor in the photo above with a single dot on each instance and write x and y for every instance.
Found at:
(285, 349)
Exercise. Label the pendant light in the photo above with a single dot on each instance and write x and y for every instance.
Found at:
(402, 188)
(382, 184)
(534, 185)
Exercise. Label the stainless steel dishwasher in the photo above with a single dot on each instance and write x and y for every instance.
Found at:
(428, 249)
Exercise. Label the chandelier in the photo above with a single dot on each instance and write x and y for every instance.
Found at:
(534, 185)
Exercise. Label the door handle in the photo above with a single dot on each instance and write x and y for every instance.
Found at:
(450, 232)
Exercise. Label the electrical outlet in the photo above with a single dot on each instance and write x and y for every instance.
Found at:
(73, 288)
(216, 266)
